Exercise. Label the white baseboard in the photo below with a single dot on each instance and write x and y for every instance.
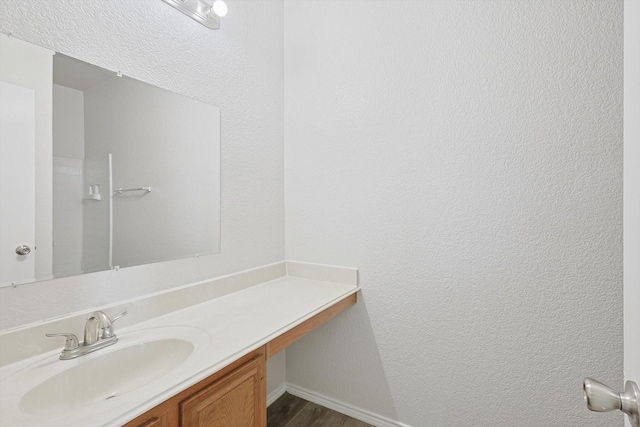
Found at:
(343, 408)
(275, 394)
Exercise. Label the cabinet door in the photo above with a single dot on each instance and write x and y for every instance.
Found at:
(236, 400)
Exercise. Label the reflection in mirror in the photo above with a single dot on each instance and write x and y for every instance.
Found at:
(133, 176)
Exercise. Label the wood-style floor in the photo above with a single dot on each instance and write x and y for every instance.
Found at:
(291, 411)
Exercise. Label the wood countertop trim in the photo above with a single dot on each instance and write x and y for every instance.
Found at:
(281, 342)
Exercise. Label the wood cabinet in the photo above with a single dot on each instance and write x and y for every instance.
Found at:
(235, 400)
(233, 397)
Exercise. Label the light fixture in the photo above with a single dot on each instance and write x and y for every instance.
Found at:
(202, 11)
(218, 8)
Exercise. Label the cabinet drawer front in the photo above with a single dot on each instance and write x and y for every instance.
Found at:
(157, 417)
(237, 400)
(153, 422)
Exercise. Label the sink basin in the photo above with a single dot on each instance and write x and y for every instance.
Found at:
(52, 387)
(106, 376)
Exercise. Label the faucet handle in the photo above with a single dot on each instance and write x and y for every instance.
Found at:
(124, 313)
(109, 332)
(106, 324)
(70, 344)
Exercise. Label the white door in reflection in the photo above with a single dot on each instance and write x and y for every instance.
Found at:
(17, 182)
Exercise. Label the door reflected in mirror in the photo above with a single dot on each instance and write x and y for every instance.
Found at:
(133, 174)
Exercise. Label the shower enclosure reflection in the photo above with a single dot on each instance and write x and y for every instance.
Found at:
(82, 228)
(129, 135)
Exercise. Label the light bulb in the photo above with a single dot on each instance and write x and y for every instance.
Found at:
(219, 8)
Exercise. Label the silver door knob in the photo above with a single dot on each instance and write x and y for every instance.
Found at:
(23, 250)
(601, 398)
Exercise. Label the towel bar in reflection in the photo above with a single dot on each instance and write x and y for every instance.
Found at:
(123, 190)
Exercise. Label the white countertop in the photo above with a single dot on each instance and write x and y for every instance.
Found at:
(236, 323)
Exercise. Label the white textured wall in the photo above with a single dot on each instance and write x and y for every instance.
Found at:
(467, 157)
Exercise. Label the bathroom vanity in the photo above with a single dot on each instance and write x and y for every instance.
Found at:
(191, 356)
(236, 395)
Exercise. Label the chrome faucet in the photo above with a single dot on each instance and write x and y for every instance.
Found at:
(98, 333)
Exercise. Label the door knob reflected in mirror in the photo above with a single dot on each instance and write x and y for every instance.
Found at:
(23, 250)
(601, 398)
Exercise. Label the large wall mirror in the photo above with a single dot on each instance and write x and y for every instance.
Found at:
(99, 171)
